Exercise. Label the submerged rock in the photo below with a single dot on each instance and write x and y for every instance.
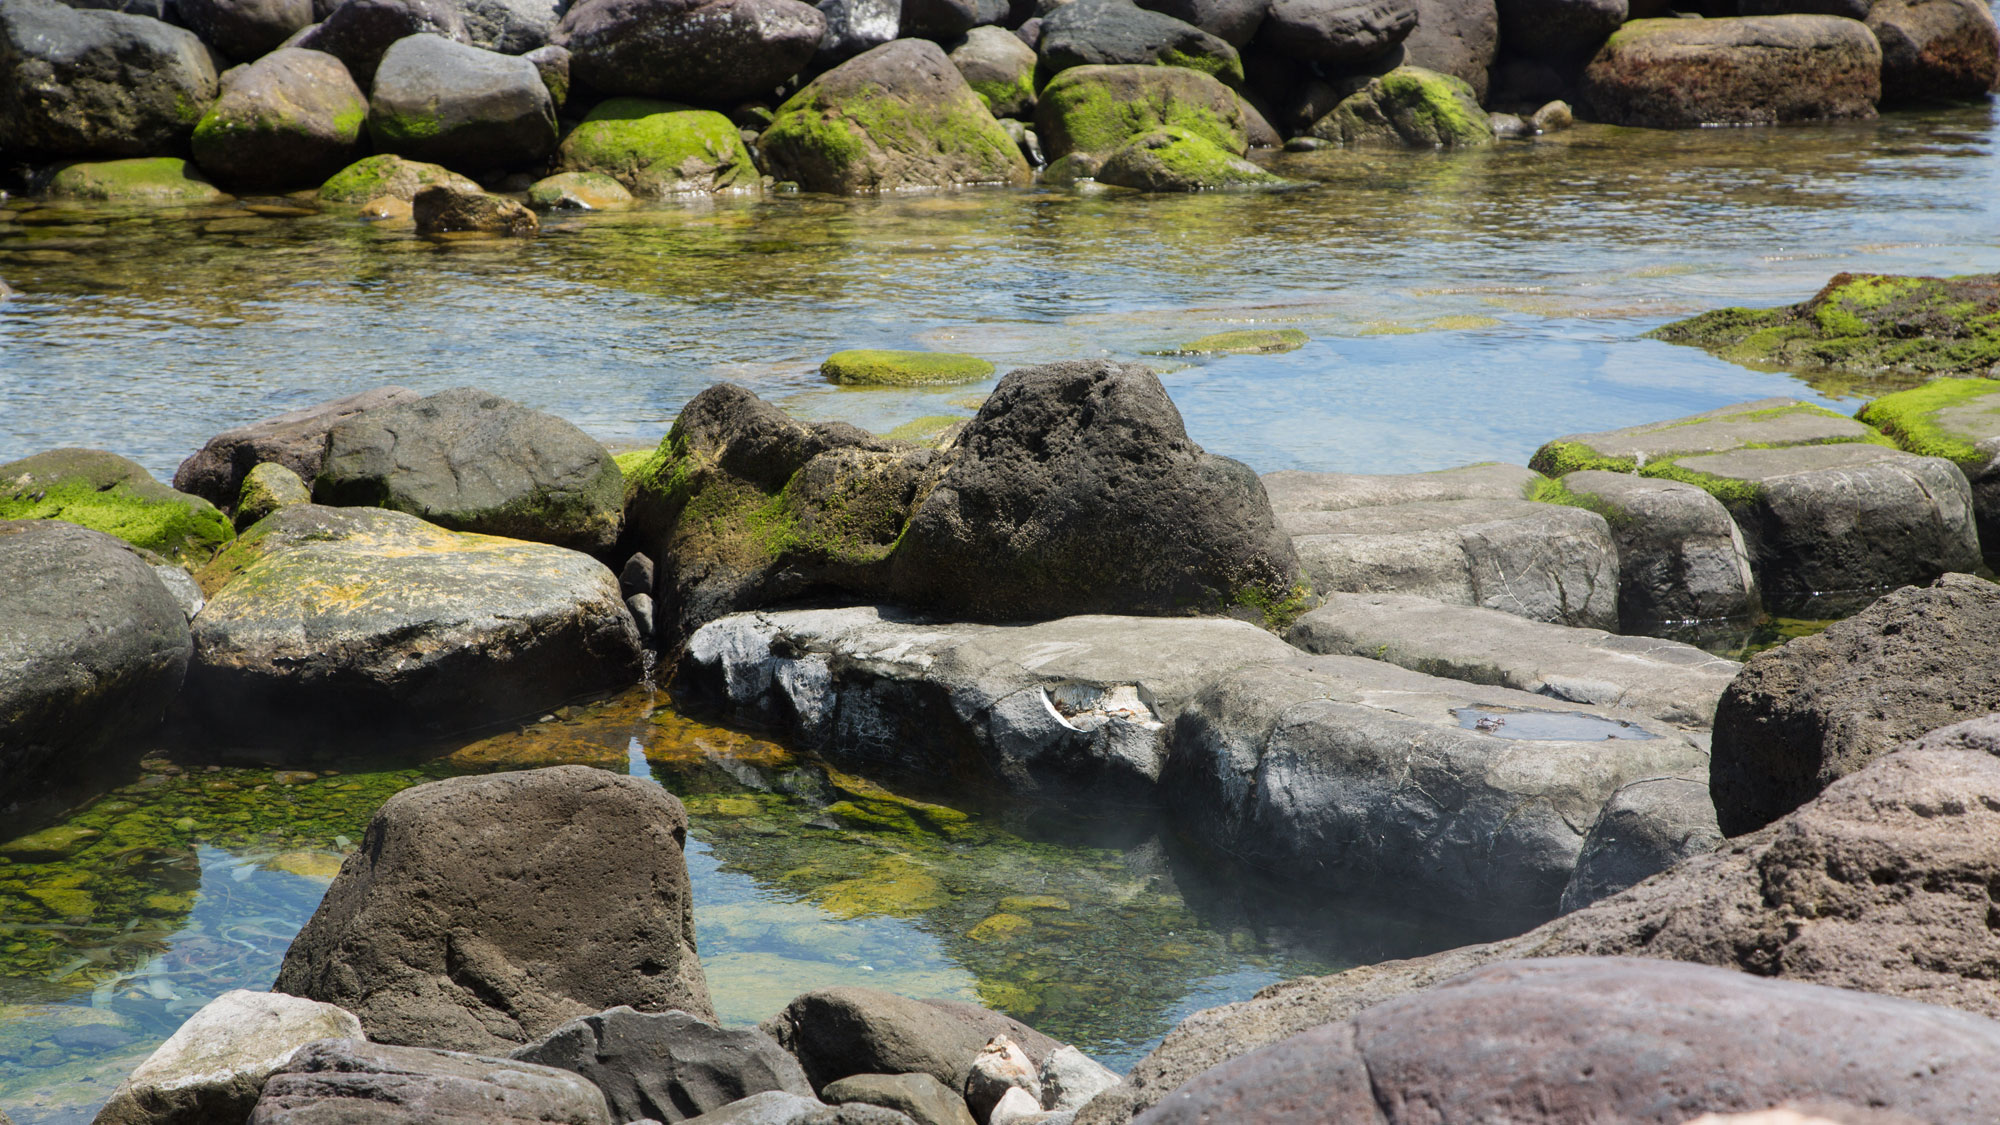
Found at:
(878, 368)
(1178, 160)
(1748, 70)
(355, 1080)
(292, 117)
(1095, 109)
(76, 82)
(1112, 32)
(579, 191)
(295, 440)
(158, 181)
(667, 1066)
(454, 104)
(1411, 107)
(375, 177)
(710, 51)
(214, 1067)
(106, 492)
(840, 1032)
(1248, 341)
(658, 148)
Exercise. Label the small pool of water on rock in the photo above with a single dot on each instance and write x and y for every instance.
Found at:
(119, 922)
(1547, 726)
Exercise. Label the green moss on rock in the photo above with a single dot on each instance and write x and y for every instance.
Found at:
(1254, 341)
(657, 148)
(388, 175)
(1178, 160)
(1412, 107)
(1943, 418)
(867, 367)
(266, 488)
(147, 179)
(105, 492)
(1096, 109)
(579, 191)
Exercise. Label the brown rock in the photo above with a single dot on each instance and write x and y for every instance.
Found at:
(1752, 70)
(296, 440)
(1935, 50)
(838, 1032)
(448, 210)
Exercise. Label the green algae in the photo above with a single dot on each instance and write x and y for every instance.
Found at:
(107, 493)
(927, 430)
(864, 140)
(165, 180)
(1253, 341)
(657, 148)
(386, 174)
(1412, 107)
(268, 487)
(1089, 109)
(869, 367)
(1913, 419)
(1174, 159)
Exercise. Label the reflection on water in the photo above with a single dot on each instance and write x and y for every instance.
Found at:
(122, 920)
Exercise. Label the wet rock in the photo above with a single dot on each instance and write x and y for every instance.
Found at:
(1680, 555)
(1935, 50)
(840, 1032)
(1112, 32)
(267, 488)
(452, 104)
(895, 117)
(1178, 160)
(1095, 109)
(97, 83)
(1336, 32)
(1664, 680)
(1295, 491)
(708, 51)
(244, 30)
(1646, 827)
(471, 461)
(579, 191)
(1553, 117)
(999, 68)
(1954, 419)
(667, 1066)
(1751, 70)
(1000, 1069)
(323, 619)
(483, 912)
(874, 367)
(154, 181)
(388, 177)
(215, 1065)
(1510, 126)
(511, 27)
(1455, 37)
(1558, 30)
(295, 440)
(291, 118)
(920, 1097)
(659, 148)
(440, 210)
(354, 1080)
(854, 26)
(1651, 448)
(109, 493)
(1411, 107)
(360, 32)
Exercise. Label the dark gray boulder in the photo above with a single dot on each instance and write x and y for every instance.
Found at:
(245, 30)
(511, 27)
(854, 26)
(941, 20)
(1646, 827)
(449, 103)
(1109, 32)
(1681, 556)
(840, 1032)
(360, 32)
(1935, 50)
(97, 83)
(295, 439)
(1235, 22)
(1455, 37)
(667, 1066)
(481, 913)
(701, 50)
(1558, 30)
(1336, 32)
(288, 120)
(355, 1081)
(472, 461)
(920, 1097)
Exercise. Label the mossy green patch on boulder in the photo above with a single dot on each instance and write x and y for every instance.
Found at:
(869, 367)
(1947, 418)
(287, 120)
(1173, 159)
(1411, 107)
(926, 430)
(145, 179)
(629, 461)
(1926, 326)
(1095, 109)
(266, 488)
(105, 492)
(1250, 341)
(658, 148)
(374, 177)
(579, 191)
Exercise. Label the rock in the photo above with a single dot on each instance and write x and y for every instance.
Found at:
(1935, 50)
(106, 492)
(90, 656)
(1553, 117)
(1818, 708)
(1181, 161)
(770, 1108)
(295, 440)
(1294, 491)
(483, 912)
(453, 104)
(292, 117)
(875, 368)
(667, 1066)
(215, 1065)
(511, 27)
(1096, 109)
(1646, 827)
(999, 68)
(1664, 680)
(1455, 37)
(1018, 1107)
(1562, 31)
(1062, 710)
(1412, 107)
(579, 191)
(854, 26)
(328, 618)
(471, 461)
(703, 50)
(939, 20)
(1113, 32)
(1680, 555)
(1750, 70)
(392, 177)
(895, 117)
(97, 83)
(658, 149)
(999, 1069)
(1071, 1078)
(1235, 22)
(245, 30)
(269, 487)
(1921, 326)
(1250, 341)
(1261, 132)
(360, 32)
(442, 210)
(179, 583)
(840, 1032)
(1336, 32)
(1517, 1034)
(552, 62)
(1510, 126)
(920, 1097)
(354, 1080)
(159, 181)
(1653, 448)
(1957, 420)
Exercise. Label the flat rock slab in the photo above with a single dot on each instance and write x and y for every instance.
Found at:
(352, 1081)
(1681, 556)
(214, 1067)
(1764, 422)
(667, 1066)
(1294, 491)
(1071, 708)
(1665, 680)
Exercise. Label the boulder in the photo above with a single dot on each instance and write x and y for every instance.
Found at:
(1664, 680)
(1411, 107)
(1487, 1044)
(1112, 32)
(150, 181)
(391, 177)
(1748, 70)
(511, 27)
(854, 26)
(1001, 1071)
(776, 1108)
(999, 68)
(1559, 31)
(1646, 827)
(1935, 50)
(1292, 490)
(484, 912)
(1957, 419)
(106, 492)
(352, 1080)
(449, 103)
(1178, 160)
(1066, 710)
(552, 62)
(840, 1032)
(295, 440)
(91, 653)
(1070, 1079)
(97, 83)
(658, 149)
(1095, 109)
(360, 32)
(1680, 555)
(471, 461)
(579, 191)
(940, 20)
(1336, 32)
(324, 620)
(291, 118)
(1235, 22)
(216, 1064)
(1455, 37)
(895, 117)
(244, 30)
(710, 51)
(667, 1066)
(269, 487)
(919, 1097)
(1818, 708)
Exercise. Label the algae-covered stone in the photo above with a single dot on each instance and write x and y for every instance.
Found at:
(97, 83)
(875, 368)
(1177, 160)
(1110, 32)
(1248, 341)
(213, 1067)
(385, 174)
(1095, 109)
(1959, 420)
(898, 116)
(160, 180)
(660, 148)
(452, 103)
(106, 492)
(267, 488)
(1409, 106)
(1653, 448)
(578, 191)
(292, 117)
(1925, 326)
(1748, 70)
(999, 68)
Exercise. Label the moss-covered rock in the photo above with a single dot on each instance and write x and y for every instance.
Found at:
(267, 488)
(1177, 160)
(375, 177)
(1655, 449)
(660, 148)
(1000, 68)
(579, 191)
(868, 367)
(105, 492)
(160, 180)
(1749, 70)
(1925, 326)
(1959, 420)
(1095, 109)
(896, 117)
(1249, 341)
(1412, 107)
(289, 119)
